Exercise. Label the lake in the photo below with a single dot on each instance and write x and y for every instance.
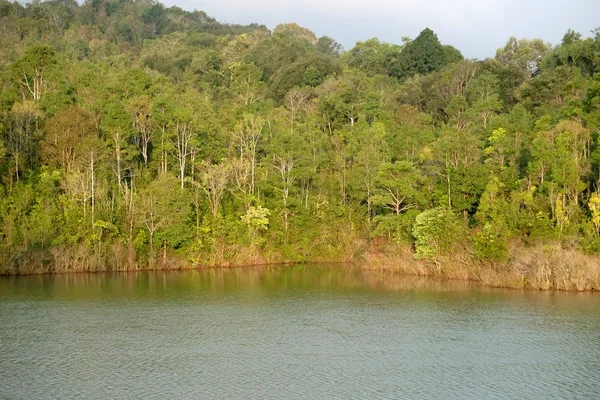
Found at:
(292, 332)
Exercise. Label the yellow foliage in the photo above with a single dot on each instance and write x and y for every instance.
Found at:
(594, 205)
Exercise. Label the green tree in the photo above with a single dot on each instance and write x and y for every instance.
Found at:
(524, 53)
(397, 187)
(31, 70)
(435, 232)
(424, 55)
(246, 83)
(372, 57)
(65, 132)
(160, 207)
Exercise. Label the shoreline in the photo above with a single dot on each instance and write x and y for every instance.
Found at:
(539, 268)
(181, 268)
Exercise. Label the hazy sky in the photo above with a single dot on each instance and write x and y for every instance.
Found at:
(477, 28)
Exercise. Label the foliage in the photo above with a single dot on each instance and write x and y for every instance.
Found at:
(435, 232)
(424, 55)
(171, 136)
(491, 243)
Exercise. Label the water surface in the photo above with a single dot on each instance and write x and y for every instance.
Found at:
(292, 333)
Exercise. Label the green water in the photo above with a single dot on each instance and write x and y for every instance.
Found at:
(310, 332)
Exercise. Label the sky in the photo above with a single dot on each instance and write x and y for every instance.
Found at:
(476, 28)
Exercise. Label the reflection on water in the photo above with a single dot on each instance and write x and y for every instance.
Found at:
(292, 332)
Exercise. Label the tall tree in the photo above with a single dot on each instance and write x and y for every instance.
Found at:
(31, 71)
(424, 55)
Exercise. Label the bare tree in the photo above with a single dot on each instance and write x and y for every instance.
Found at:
(284, 166)
(246, 138)
(215, 179)
(184, 133)
(140, 109)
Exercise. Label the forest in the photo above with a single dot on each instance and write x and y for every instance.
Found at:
(137, 136)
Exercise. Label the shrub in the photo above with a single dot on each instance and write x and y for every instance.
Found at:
(397, 228)
(435, 231)
(492, 243)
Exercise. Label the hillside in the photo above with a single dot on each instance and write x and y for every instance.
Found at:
(138, 136)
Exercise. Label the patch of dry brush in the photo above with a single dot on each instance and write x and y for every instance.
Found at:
(538, 267)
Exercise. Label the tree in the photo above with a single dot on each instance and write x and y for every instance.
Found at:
(329, 46)
(214, 180)
(22, 136)
(594, 206)
(309, 71)
(30, 70)
(524, 53)
(140, 109)
(367, 146)
(344, 99)
(156, 16)
(164, 108)
(256, 220)
(65, 133)
(160, 205)
(574, 52)
(435, 232)
(424, 55)
(189, 115)
(373, 57)
(295, 100)
(277, 51)
(484, 96)
(397, 187)
(246, 83)
(284, 166)
(296, 30)
(117, 127)
(245, 139)
(182, 142)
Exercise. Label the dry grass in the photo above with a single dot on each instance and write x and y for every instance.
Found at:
(23, 261)
(81, 258)
(231, 256)
(552, 267)
(542, 267)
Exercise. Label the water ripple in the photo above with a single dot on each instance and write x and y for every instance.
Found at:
(292, 334)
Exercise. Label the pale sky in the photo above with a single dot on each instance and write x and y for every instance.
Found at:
(476, 28)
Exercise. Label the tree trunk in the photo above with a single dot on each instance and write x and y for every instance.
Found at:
(117, 139)
(93, 190)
